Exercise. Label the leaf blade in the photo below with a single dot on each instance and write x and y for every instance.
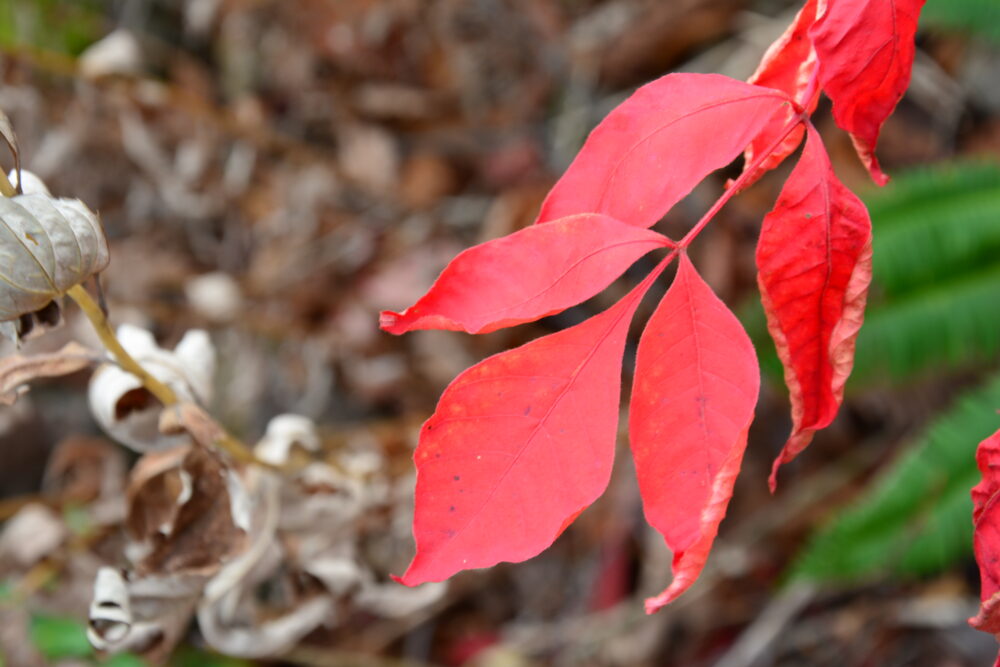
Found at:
(47, 245)
(865, 50)
(479, 505)
(700, 121)
(527, 275)
(688, 452)
(17, 370)
(814, 268)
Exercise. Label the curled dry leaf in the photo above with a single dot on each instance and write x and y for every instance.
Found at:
(110, 610)
(270, 637)
(180, 517)
(47, 245)
(231, 617)
(157, 488)
(181, 531)
(285, 432)
(205, 539)
(17, 370)
(146, 616)
(126, 411)
(10, 331)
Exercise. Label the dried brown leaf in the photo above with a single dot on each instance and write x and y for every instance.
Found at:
(204, 533)
(47, 245)
(155, 493)
(146, 616)
(126, 411)
(82, 469)
(18, 370)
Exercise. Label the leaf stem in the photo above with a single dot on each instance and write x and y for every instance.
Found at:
(738, 183)
(162, 392)
(810, 91)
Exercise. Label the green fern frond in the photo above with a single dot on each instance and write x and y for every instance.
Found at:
(953, 324)
(908, 192)
(917, 518)
(918, 243)
(978, 17)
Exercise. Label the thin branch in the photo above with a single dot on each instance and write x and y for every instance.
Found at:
(162, 392)
(739, 182)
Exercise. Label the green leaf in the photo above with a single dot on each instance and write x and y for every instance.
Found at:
(933, 225)
(951, 324)
(917, 517)
(58, 637)
(188, 656)
(66, 27)
(124, 660)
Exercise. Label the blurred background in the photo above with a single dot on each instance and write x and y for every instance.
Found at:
(277, 172)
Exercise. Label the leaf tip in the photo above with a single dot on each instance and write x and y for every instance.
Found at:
(658, 602)
(390, 322)
(874, 169)
(772, 480)
(880, 177)
(408, 578)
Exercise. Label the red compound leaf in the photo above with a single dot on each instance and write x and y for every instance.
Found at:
(658, 144)
(696, 385)
(532, 273)
(865, 50)
(519, 445)
(814, 267)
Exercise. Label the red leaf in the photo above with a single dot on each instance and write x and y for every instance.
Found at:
(986, 540)
(696, 385)
(527, 275)
(649, 152)
(814, 267)
(789, 65)
(865, 50)
(519, 445)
